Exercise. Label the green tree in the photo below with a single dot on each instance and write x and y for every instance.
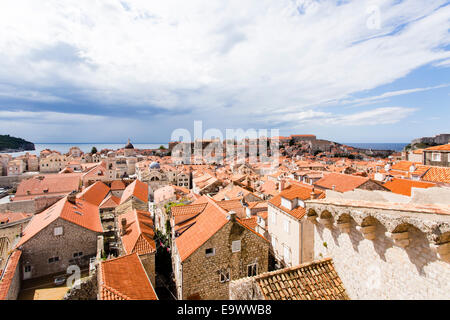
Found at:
(162, 148)
(94, 150)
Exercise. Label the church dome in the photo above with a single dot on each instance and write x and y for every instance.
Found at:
(129, 145)
(154, 165)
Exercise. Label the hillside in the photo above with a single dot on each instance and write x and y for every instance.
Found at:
(12, 144)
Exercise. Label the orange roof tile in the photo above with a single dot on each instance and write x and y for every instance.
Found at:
(207, 224)
(317, 280)
(403, 186)
(117, 185)
(295, 190)
(342, 182)
(443, 147)
(124, 278)
(82, 213)
(110, 202)
(137, 189)
(437, 174)
(251, 222)
(95, 193)
(49, 184)
(139, 233)
(8, 274)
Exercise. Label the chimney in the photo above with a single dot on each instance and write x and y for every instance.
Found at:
(232, 216)
(312, 193)
(333, 187)
(124, 225)
(281, 185)
(72, 197)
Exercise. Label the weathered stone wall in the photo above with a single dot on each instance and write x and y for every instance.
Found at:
(88, 290)
(382, 268)
(201, 274)
(30, 206)
(12, 181)
(45, 245)
(10, 232)
(445, 161)
(245, 289)
(130, 204)
(148, 261)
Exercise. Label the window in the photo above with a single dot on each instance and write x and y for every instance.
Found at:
(210, 252)
(58, 231)
(252, 270)
(236, 246)
(77, 254)
(53, 259)
(27, 269)
(286, 225)
(436, 156)
(224, 275)
(273, 217)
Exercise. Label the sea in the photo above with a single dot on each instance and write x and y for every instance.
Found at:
(378, 146)
(86, 147)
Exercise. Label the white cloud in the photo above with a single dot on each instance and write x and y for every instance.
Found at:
(378, 116)
(211, 54)
(49, 117)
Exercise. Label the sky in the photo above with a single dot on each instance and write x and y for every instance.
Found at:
(109, 70)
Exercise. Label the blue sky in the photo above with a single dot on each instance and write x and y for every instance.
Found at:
(103, 71)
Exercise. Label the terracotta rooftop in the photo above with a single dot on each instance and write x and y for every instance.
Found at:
(291, 192)
(342, 182)
(117, 185)
(212, 218)
(6, 277)
(10, 217)
(444, 147)
(437, 174)
(317, 280)
(139, 233)
(251, 222)
(81, 213)
(110, 202)
(124, 278)
(137, 189)
(46, 185)
(403, 186)
(95, 193)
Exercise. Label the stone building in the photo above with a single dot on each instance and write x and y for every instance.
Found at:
(11, 226)
(15, 167)
(386, 246)
(437, 156)
(212, 247)
(53, 163)
(65, 234)
(135, 196)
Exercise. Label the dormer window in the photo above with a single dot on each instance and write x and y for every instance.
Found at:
(287, 203)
